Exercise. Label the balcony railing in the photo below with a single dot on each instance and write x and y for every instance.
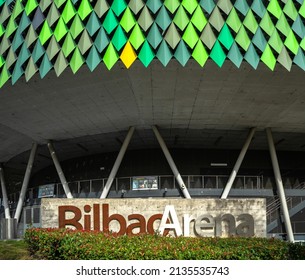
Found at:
(95, 186)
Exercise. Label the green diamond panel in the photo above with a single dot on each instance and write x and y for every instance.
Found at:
(37, 36)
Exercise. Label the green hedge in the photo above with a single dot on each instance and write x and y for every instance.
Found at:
(65, 244)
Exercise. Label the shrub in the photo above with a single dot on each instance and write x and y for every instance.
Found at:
(67, 244)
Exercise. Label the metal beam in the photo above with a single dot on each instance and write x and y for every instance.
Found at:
(25, 183)
(279, 184)
(7, 214)
(237, 164)
(171, 163)
(60, 173)
(117, 163)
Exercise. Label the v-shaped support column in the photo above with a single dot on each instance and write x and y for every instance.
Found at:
(171, 163)
(117, 163)
(25, 183)
(9, 225)
(279, 184)
(59, 171)
(7, 214)
(237, 164)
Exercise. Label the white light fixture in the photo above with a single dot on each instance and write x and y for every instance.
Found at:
(219, 164)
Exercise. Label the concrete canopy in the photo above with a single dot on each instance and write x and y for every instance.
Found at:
(196, 107)
(85, 111)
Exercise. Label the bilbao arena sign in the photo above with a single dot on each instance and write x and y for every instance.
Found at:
(176, 217)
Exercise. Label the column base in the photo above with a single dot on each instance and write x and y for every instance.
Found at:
(8, 228)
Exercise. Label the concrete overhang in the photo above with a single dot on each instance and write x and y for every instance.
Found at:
(194, 107)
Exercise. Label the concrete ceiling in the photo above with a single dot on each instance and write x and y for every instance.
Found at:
(208, 107)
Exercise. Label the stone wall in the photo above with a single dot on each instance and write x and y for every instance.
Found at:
(189, 217)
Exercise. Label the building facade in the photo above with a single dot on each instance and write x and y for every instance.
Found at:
(153, 98)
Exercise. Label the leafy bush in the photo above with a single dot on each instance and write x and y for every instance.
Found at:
(66, 244)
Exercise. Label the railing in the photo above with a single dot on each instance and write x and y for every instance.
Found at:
(274, 206)
(168, 181)
(164, 182)
(94, 186)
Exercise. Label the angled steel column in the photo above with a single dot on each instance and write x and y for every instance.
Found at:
(237, 164)
(171, 163)
(279, 184)
(4, 194)
(117, 163)
(59, 171)
(25, 183)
